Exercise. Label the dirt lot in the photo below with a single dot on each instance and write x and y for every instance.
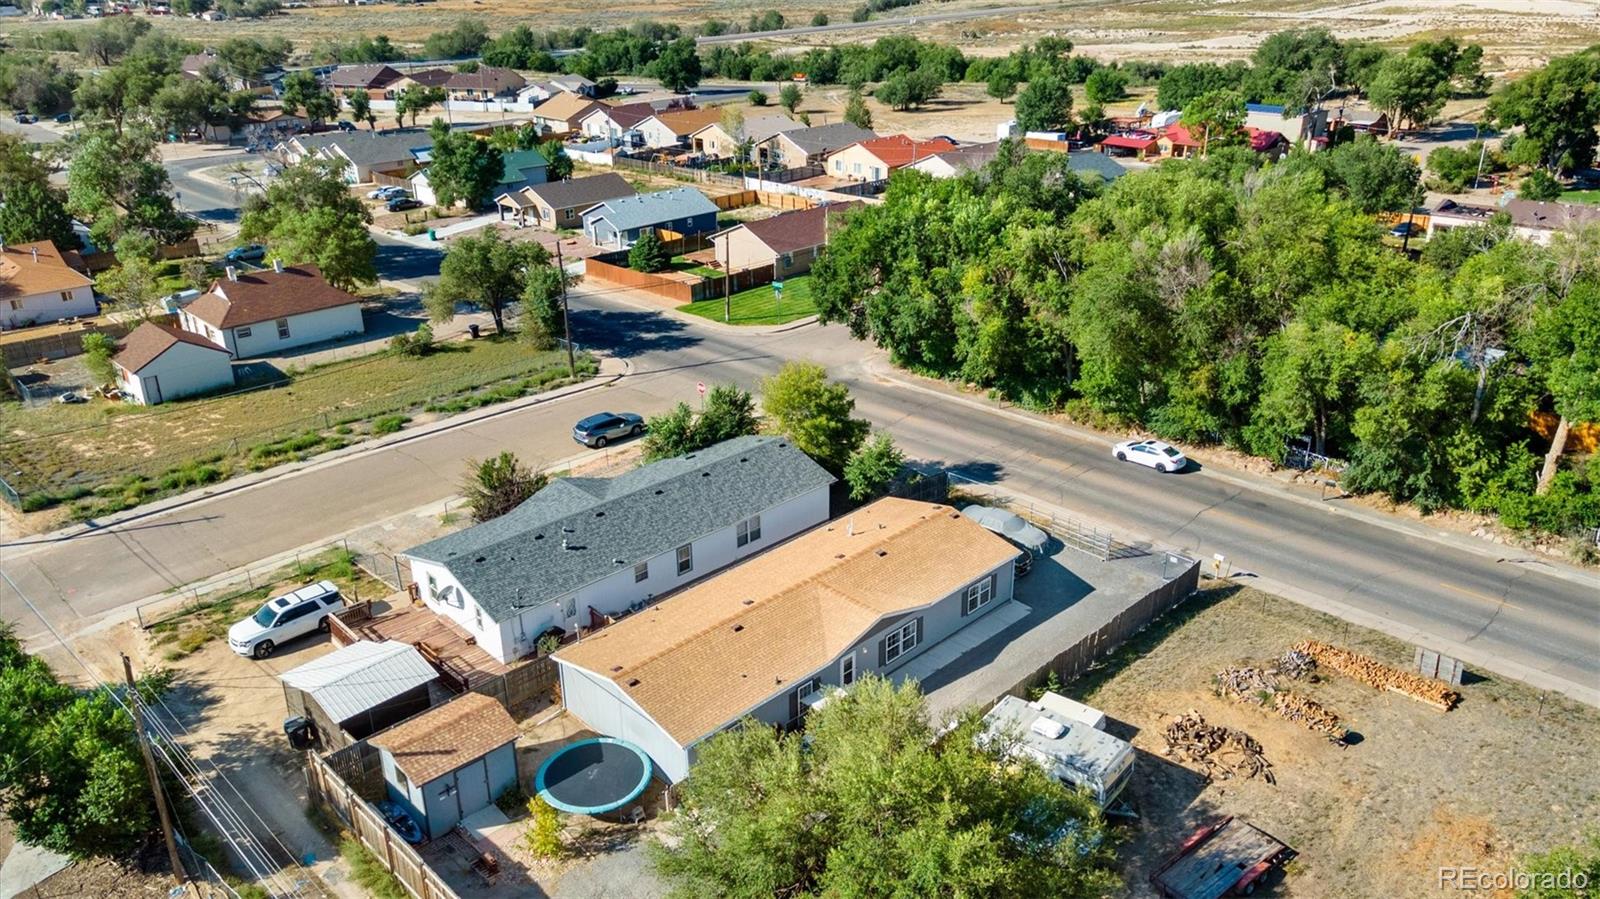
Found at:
(1506, 773)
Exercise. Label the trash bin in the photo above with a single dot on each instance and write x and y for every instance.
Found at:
(432, 234)
(473, 330)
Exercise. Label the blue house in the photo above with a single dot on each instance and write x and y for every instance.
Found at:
(617, 223)
(449, 762)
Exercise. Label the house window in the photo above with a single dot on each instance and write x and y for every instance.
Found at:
(283, 329)
(433, 587)
(856, 168)
(640, 572)
(241, 333)
(901, 641)
(16, 304)
(811, 686)
(978, 595)
(749, 530)
(788, 260)
(477, 617)
(66, 296)
(847, 670)
(400, 781)
(686, 558)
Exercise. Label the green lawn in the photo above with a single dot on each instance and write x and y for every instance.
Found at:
(1581, 196)
(103, 456)
(683, 264)
(761, 306)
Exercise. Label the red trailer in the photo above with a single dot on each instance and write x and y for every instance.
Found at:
(1225, 858)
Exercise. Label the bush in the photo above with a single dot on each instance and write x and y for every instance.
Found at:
(389, 424)
(648, 254)
(543, 836)
(1540, 185)
(415, 344)
(757, 98)
(369, 872)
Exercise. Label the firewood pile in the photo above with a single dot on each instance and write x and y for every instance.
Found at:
(1261, 688)
(1295, 664)
(1225, 753)
(1376, 674)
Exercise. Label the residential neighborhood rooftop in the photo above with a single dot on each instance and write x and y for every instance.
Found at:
(759, 128)
(898, 150)
(30, 268)
(369, 76)
(146, 343)
(352, 679)
(582, 192)
(578, 530)
(638, 211)
(822, 138)
(800, 229)
(267, 296)
(705, 656)
(447, 736)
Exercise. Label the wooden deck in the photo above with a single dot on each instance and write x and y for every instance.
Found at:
(441, 641)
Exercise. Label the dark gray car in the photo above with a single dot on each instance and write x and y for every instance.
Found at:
(604, 427)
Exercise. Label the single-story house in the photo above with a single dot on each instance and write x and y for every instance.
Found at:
(358, 690)
(1530, 219)
(584, 548)
(561, 113)
(485, 83)
(365, 152)
(1269, 142)
(1296, 127)
(769, 638)
(618, 223)
(875, 159)
(1177, 141)
(800, 147)
(261, 313)
(523, 168)
(423, 78)
(613, 122)
(449, 762)
(561, 204)
(715, 142)
(38, 286)
(376, 80)
(573, 84)
(1138, 144)
(1367, 121)
(951, 163)
(673, 127)
(159, 362)
(788, 242)
(274, 119)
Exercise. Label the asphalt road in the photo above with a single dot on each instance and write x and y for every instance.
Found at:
(1515, 610)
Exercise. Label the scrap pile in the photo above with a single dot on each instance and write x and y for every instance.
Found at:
(1223, 751)
(1376, 674)
(1260, 687)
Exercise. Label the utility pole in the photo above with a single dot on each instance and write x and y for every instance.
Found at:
(727, 285)
(178, 873)
(566, 312)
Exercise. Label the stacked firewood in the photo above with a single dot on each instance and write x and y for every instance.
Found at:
(1225, 753)
(1261, 687)
(1376, 674)
(1295, 664)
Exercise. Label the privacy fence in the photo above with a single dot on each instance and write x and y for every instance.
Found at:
(354, 808)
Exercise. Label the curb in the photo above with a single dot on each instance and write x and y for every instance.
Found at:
(337, 456)
(1497, 552)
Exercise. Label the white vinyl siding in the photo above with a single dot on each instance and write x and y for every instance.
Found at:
(748, 531)
(685, 558)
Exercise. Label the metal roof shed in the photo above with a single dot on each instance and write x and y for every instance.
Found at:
(359, 689)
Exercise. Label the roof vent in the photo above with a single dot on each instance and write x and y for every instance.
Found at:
(633, 682)
(616, 668)
(480, 560)
(737, 628)
(538, 536)
(748, 602)
(743, 459)
(599, 514)
(567, 529)
(659, 492)
(705, 474)
(882, 553)
(838, 555)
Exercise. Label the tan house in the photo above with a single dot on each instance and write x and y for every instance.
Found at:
(38, 286)
(875, 159)
(561, 204)
(715, 142)
(376, 81)
(560, 113)
(673, 127)
(800, 147)
(789, 243)
(484, 83)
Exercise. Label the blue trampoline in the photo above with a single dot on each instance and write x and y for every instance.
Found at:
(595, 776)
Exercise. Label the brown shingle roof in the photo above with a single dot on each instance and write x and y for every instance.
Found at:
(23, 274)
(266, 296)
(581, 193)
(703, 657)
(486, 78)
(687, 121)
(431, 77)
(150, 340)
(446, 737)
(367, 77)
(798, 230)
(566, 107)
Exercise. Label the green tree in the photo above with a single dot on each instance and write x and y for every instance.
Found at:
(1455, 168)
(1564, 343)
(1045, 104)
(484, 272)
(497, 485)
(1375, 177)
(670, 434)
(1106, 85)
(33, 210)
(74, 780)
(1552, 875)
(856, 111)
(909, 88)
(1558, 107)
(789, 97)
(543, 836)
(678, 66)
(1310, 373)
(117, 184)
(819, 19)
(559, 163)
(249, 59)
(873, 467)
(756, 98)
(813, 413)
(1217, 115)
(1412, 89)
(416, 100)
(302, 91)
(463, 168)
(98, 349)
(132, 285)
(361, 108)
(307, 215)
(863, 802)
(1539, 185)
(647, 253)
(542, 315)
(728, 413)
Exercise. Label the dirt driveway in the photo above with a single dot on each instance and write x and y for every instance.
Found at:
(1506, 773)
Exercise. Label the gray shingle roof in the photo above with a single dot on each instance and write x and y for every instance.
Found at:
(368, 148)
(579, 530)
(627, 213)
(582, 192)
(823, 138)
(1087, 163)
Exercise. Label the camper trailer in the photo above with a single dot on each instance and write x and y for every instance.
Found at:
(1064, 737)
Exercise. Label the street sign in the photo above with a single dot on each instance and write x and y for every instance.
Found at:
(700, 386)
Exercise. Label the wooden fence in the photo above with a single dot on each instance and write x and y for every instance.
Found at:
(522, 684)
(681, 289)
(60, 344)
(331, 791)
(99, 262)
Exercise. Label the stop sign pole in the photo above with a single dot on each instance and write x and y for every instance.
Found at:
(700, 387)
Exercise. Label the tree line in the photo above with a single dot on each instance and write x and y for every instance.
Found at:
(1234, 301)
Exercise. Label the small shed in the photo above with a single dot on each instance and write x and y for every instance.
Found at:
(158, 363)
(359, 690)
(450, 761)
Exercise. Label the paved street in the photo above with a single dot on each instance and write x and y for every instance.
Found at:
(1513, 609)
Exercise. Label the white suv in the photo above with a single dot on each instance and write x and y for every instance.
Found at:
(284, 618)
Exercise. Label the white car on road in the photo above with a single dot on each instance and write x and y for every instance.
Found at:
(1151, 454)
(285, 617)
